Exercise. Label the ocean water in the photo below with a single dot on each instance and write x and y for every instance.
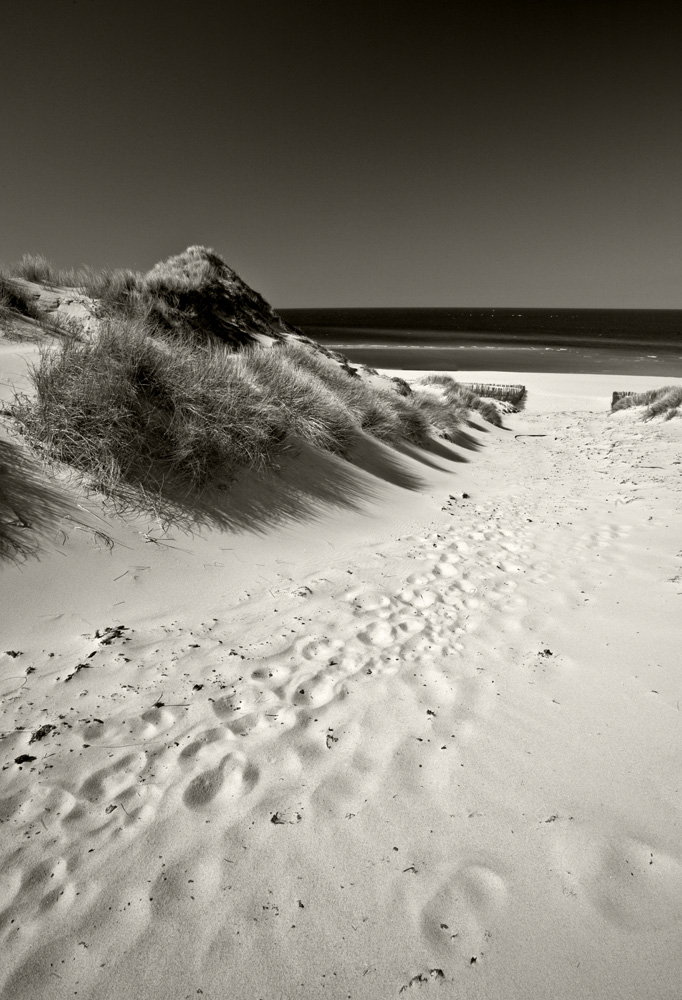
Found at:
(626, 342)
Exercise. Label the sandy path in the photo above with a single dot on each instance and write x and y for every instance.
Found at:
(443, 764)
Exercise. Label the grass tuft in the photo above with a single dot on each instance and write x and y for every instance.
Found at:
(309, 407)
(35, 267)
(458, 395)
(147, 418)
(445, 417)
(382, 413)
(666, 400)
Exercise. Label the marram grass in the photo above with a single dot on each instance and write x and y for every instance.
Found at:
(665, 401)
(151, 420)
(176, 395)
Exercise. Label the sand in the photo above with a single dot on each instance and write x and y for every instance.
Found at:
(411, 729)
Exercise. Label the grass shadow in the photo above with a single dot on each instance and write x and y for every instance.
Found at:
(474, 424)
(419, 454)
(29, 506)
(381, 461)
(306, 485)
(465, 440)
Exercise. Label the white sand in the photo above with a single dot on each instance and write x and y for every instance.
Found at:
(427, 746)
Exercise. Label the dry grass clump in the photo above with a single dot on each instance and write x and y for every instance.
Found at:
(666, 400)
(196, 293)
(458, 395)
(310, 409)
(62, 325)
(146, 419)
(116, 292)
(402, 387)
(445, 417)
(382, 413)
(36, 267)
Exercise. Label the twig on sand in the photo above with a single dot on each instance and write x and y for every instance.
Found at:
(233, 553)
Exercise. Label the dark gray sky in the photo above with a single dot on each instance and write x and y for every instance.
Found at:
(341, 154)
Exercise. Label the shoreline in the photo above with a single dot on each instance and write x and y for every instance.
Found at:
(536, 359)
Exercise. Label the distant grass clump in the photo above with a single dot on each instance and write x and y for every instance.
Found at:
(444, 417)
(458, 395)
(35, 267)
(147, 420)
(665, 401)
(116, 292)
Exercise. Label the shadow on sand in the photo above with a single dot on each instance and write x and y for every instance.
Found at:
(305, 485)
(30, 507)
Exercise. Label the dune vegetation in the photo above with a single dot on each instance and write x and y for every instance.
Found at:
(665, 401)
(148, 420)
(191, 379)
(457, 395)
(14, 299)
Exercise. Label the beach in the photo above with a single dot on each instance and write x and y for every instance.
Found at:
(408, 726)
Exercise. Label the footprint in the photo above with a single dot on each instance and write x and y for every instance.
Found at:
(446, 569)
(107, 781)
(631, 883)
(201, 741)
(319, 689)
(320, 649)
(462, 912)
(232, 777)
(378, 634)
(370, 600)
(418, 598)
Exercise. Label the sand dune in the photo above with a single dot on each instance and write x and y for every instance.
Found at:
(417, 736)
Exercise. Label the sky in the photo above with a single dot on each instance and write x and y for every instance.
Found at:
(341, 154)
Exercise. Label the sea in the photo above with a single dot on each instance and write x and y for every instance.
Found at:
(577, 341)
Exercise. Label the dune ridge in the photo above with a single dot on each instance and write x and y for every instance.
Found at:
(160, 390)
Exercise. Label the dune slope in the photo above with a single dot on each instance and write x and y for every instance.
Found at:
(425, 744)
